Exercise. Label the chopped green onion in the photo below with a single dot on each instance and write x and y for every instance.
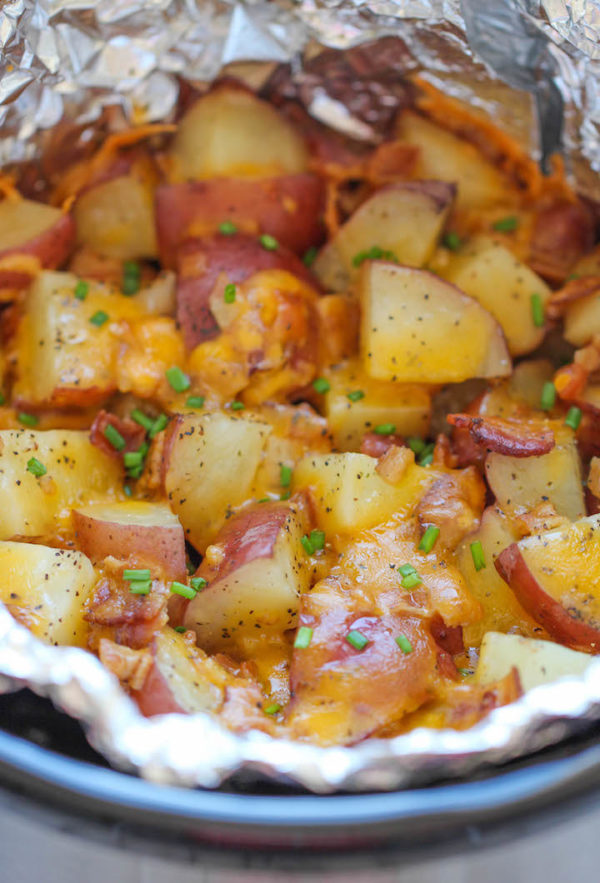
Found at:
(181, 629)
(429, 538)
(269, 242)
(537, 310)
(548, 396)
(357, 640)
(417, 445)
(195, 402)
(452, 241)
(177, 379)
(273, 708)
(285, 475)
(385, 429)
(190, 568)
(310, 256)
(132, 275)
(506, 225)
(140, 587)
(127, 490)
(465, 672)
(142, 419)
(183, 590)
(81, 290)
(35, 467)
(356, 395)
(303, 637)
(158, 425)
(141, 574)
(317, 539)
(404, 644)
(264, 500)
(198, 583)
(426, 456)
(27, 419)
(132, 458)
(237, 406)
(411, 580)
(229, 294)
(427, 460)
(2, 398)
(573, 418)
(321, 385)
(307, 545)
(228, 228)
(375, 253)
(114, 437)
(285, 495)
(406, 569)
(99, 318)
(135, 471)
(477, 555)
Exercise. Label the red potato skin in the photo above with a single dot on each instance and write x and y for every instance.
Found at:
(288, 207)
(503, 437)
(513, 569)
(202, 261)
(156, 695)
(52, 248)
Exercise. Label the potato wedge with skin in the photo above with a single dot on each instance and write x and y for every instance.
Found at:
(34, 230)
(503, 285)
(45, 589)
(136, 529)
(257, 577)
(408, 408)
(348, 495)
(76, 472)
(537, 662)
(288, 208)
(417, 328)
(387, 220)
(209, 466)
(223, 135)
(554, 576)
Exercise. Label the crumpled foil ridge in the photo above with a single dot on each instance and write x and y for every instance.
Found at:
(71, 59)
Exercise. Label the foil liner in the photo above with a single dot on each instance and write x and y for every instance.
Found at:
(534, 66)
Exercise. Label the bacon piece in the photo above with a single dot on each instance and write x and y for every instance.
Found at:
(392, 465)
(130, 666)
(562, 234)
(572, 291)
(505, 436)
(542, 517)
(449, 638)
(467, 704)
(377, 445)
(454, 503)
(132, 432)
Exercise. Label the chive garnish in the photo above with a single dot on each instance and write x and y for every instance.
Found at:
(99, 318)
(548, 396)
(321, 385)
(114, 437)
(303, 637)
(36, 467)
(177, 379)
(357, 640)
(477, 555)
(404, 644)
(429, 538)
(573, 418)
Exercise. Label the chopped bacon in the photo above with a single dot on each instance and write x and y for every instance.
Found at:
(572, 291)
(443, 454)
(449, 638)
(505, 436)
(132, 432)
(467, 704)
(392, 465)
(542, 517)
(562, 234)
(454, 503)
(376, 445)
(130, 666)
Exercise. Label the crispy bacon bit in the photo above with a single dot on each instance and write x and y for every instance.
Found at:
(130, 666)
(466, 704)
(563, 232)
(593, 481)
(392, 465)
(453, 503)
(573, 290)
(443, 455)
(505, 436)
(132, 433)
(376, 445)
(449, 638)
(542, 517)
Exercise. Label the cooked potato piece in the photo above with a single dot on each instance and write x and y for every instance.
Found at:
(537, 662)
(260, 570)
(387, 222)
(209, 467)
(64, 358)
(445, 157)
(229, 132)
(521, 484)
(408, 408)
(502, 284)
(348, 495)
(76, 472)
(582, 320)
(34, 230)
(45, 589)
(417, 328)
(138, 529)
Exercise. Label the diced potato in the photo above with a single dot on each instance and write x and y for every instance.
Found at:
(527, 381)
(209, 467)
(445, 157)
(538, 662)
(417, 328)
(408, 408)
(502, 284)
(387, 221)
(348, 495)
(230, 132)
(523, 483)
(76, 472)
(45, 589)
(582, 320)
(33, 235)
(64, 359)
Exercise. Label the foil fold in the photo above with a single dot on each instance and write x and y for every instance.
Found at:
(522, 61)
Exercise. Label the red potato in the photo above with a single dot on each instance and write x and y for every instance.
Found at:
(34, 230)
(256, 571)
(148, 532)
(204, 262)
(556, 577)
(288, 207)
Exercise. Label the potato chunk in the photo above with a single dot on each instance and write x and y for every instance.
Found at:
(537, 662)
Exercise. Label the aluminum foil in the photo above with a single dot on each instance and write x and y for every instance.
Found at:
(533, 64)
